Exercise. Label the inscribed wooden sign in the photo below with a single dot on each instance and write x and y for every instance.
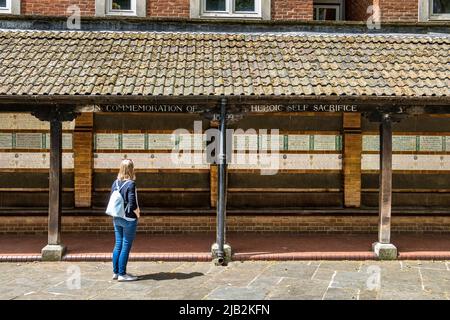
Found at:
(431, 143)
(162, 141)
(404, 143)
(107, 141)
(298, 142)
(6, 140)
(325, 143)
(133, 141)
(29, 140)
(371, 143)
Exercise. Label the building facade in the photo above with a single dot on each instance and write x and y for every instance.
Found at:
(328, 146)
(356, 10)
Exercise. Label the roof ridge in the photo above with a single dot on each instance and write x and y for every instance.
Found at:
(390, 36)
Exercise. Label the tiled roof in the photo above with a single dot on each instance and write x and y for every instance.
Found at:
(162, 63)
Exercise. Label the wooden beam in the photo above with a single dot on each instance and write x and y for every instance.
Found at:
(85, 102)
(385, 196)
(159, 189)
(282, 190)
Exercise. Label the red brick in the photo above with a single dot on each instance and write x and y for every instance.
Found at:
(196, 224)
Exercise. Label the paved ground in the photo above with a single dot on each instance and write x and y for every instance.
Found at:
(240, 280)
(246, 246)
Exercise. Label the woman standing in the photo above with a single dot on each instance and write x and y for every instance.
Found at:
(125, 228)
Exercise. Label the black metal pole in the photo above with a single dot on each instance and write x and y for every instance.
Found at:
(222, 162)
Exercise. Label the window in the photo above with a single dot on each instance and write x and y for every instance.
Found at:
(5, 6)
(328, 10)
(434, 10)
(257, 9)
(440, 9)
(228, 8)
(10, 6)
(120, 8)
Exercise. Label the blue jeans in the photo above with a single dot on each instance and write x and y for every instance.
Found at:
(125, 233)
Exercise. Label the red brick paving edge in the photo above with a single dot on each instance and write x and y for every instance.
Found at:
(205, 257)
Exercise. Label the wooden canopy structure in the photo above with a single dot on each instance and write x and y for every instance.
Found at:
(56, 75)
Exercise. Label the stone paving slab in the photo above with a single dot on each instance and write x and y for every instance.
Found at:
(341, 294)
(298, 289)
(269, 280)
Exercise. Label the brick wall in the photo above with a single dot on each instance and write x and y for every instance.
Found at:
(83, 159)
(395, 10)
(155, 8)
(281, 9)
(56, 7)
(192, 224)
(292, 9)
(352, 159)
(168, 8)
(392, 10)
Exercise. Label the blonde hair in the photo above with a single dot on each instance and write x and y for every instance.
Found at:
(126, 171)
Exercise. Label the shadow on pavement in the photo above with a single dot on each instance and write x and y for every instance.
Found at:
(170, 276)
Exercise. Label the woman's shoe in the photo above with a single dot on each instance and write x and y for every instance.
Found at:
(127, 277)
(115, 276)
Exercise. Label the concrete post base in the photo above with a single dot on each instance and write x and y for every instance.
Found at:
(385, 251)
(53, 252)
(226, 253)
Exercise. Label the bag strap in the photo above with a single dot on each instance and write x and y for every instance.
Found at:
(137, 201)
(118, 188)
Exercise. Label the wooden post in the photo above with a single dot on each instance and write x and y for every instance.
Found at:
(385, 196)
(54, 251)
(383, 248)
